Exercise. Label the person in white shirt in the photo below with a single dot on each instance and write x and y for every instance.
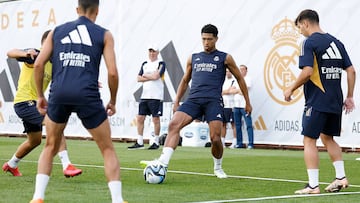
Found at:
(239, 112)
(151, 103)
(228, 92)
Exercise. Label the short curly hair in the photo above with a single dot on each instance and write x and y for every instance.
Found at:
(209, 28)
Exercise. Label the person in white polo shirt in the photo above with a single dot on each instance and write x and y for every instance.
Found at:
(151, 74)
(228, 92)
(239, 112)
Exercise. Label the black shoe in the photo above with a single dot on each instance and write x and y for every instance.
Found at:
(154, 146)
(136, 146)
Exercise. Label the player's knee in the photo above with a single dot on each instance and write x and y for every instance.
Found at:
(35, 139)
(174, 126)
(215, 137)
(140, 119)
(156, 120)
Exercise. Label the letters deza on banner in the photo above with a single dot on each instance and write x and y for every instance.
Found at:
(259, 34)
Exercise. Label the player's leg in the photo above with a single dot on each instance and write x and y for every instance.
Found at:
(232, 122)
(217, 147)
(333, 128)
(223, 133)
(312, 123)
(179, 120)
(182, 117)
(140, 119)
(33, 140)
(54, 133)
(234, 140)
(69, 169)
(311, 159)
(156, 108)
(332, 147)
(102, 137)
(32, 121)
(214, 114)
(139, 144)
(156, 122)
(216, 143)
(95, 119)
(227, 118)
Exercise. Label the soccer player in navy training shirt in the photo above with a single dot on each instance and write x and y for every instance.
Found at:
(75, 49)
(322, 60)
(207, 71)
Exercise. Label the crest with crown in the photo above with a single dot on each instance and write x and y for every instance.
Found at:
(285, 30)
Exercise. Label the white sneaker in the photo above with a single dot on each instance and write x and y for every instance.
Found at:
(232, 146)
(337, 185)
(357, 159)
(144, 163)
(220, 173)
(308, 190)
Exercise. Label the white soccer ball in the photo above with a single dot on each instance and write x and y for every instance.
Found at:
(154, 174)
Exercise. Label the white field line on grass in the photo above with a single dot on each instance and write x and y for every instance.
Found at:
(202, 174)
(239, 177)
(279, 197)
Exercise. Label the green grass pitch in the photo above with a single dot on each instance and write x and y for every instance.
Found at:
(257, 175)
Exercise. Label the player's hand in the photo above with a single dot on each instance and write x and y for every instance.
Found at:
(287, 95)
(248, 109)
(175, 107)
(32, 53)
(349, 105)
(41, 105)
(110, 109)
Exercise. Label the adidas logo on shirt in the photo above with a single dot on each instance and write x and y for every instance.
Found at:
(332, 52)
(78, 36)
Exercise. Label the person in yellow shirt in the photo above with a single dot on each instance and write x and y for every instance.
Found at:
(25, 108)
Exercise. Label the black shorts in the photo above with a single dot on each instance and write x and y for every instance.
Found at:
(212, 109)
(152, 107)
(30, 116)
(315, 122)
(228, 115)
(91, 115)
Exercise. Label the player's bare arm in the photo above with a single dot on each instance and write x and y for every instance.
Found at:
(19, 53)
(184, 83)
(349, 104)
(39, 67)
(113, 77)
(301, 79)
(231, 65)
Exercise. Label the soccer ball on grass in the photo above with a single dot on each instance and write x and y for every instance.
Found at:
(154, 173)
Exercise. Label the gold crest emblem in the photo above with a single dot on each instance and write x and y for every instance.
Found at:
(282, 61)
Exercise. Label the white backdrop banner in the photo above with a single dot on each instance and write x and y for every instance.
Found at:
(260, 34)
